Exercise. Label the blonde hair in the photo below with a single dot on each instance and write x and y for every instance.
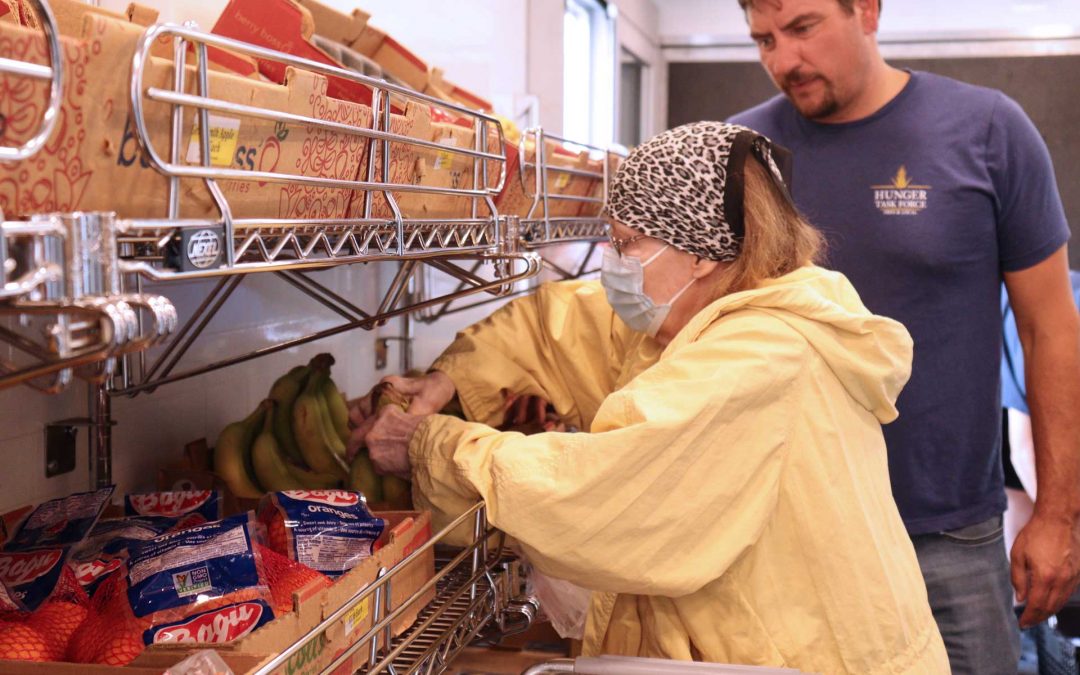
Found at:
(778, 240)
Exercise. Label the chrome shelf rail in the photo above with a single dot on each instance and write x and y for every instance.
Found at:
(53, 73)
(69, 317)
(62, 313)
(254, 244)
(471, 585)
(538, 230)
(173, 248)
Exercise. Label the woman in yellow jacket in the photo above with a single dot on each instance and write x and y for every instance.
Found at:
(730, 502)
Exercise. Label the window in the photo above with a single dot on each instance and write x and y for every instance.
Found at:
(588, 72)
(632, 71)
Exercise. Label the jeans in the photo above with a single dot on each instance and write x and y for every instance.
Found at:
(967, 579)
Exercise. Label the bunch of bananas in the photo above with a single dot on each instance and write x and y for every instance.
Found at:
(295, 439)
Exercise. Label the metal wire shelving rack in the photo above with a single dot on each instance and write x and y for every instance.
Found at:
(567, 244)
(75, 298)
(477, 589)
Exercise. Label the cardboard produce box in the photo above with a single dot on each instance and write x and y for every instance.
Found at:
(94, 160)
(286, 26)
(395, 58)
(517, 199)
(332, 24)
(439, 86)
(415, 165)
(146, 664)
(408, 531)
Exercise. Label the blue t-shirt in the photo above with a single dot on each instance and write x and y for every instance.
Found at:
(923, 205)
(1013, 386)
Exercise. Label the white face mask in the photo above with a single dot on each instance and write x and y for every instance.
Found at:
(623, 278)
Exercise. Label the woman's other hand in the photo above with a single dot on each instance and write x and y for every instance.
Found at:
(387, 435)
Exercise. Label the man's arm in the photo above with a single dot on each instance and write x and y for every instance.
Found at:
(1046, 555)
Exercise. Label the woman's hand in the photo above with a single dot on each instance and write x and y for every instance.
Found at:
(427, 394)
(387, 435)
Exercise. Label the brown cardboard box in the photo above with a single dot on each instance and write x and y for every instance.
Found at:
(394, 57)
(409, 530)
(439, 86)
(94, 161)
(517, 199)
(415, 165)
(149, 663)
(332, 24)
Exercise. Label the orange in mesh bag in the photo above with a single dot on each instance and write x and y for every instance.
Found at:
(205, 584)
(287, 577)
(329, 531)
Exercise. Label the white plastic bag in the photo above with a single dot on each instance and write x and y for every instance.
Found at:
(565, 604)
(206, 662)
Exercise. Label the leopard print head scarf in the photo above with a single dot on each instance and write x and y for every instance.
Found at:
(685, 186)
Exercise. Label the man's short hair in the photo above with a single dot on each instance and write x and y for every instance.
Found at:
(848, 5)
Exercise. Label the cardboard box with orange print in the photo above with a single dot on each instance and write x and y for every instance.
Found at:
(411, 164)
(94, 161)
(518, 197)
(439, 86)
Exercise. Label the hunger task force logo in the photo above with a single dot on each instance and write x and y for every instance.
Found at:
(901, 197)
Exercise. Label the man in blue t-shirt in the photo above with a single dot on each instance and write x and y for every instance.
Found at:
(929, 192)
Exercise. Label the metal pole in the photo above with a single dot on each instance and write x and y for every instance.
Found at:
(100, 437)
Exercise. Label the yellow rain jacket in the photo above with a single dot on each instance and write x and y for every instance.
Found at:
(731, 501)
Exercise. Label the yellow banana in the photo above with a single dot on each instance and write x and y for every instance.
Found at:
(284, 392)
(232, 455)
(362, 478)
(319, 444)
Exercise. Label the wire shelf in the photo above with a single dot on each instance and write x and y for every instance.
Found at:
(473, 587)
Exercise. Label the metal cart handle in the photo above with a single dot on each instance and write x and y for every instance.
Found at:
(627, 665)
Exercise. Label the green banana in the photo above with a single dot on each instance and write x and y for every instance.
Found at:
(397, 493)
(284, 392)
(362, 478)
(270, 467)
(232, 455)
(312, 480)
(319, 443)
(338, 409)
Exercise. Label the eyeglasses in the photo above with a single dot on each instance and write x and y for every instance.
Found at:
(620, 244)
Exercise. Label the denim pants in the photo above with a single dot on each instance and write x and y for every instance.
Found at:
(967, 579)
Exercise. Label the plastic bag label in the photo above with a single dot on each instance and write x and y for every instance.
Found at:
(331, 530)
(31, 576)
(216, 626)
(185, 567)
(174, 504)
(8, 603)
(60, 522)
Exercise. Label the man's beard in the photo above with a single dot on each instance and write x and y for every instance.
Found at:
(825, 106)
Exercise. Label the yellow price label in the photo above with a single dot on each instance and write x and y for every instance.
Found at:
(443, 159)
(355, 617)
(562, 181)
(224, 133)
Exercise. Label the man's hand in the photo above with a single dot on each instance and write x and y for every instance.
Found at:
(1045, 565)
(387, 435)
(427, 394)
